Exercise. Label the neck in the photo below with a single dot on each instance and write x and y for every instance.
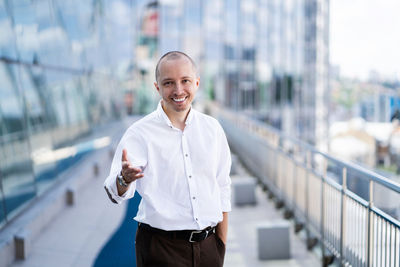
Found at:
(177, 119)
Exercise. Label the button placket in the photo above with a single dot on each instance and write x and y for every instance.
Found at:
(191, 183)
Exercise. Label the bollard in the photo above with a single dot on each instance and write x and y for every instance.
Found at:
(96, 169)
(111, 153)
(244, 191)
(273, 240)
(70, 196)
(22, 245)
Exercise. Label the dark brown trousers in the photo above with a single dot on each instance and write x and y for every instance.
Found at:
(157, 250)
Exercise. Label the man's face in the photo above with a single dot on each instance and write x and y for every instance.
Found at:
(177, 84)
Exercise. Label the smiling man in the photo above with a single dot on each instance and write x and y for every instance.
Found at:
(178, 160)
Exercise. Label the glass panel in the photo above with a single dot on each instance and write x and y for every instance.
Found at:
(2, 207)
(10, 105)
(171, 27)
(17, 181)
(53, 148)
(33, 101)
(54, 46)
(75, 23)
(192, 43)
(15, 163)
(26, 29)
(7, 42)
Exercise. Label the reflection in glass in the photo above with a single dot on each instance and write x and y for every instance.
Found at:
(15, 164)
(7, 47)
(10, 104)
(54, 46)
(33, 101)
(17, 178)
(58, 79)
(26, 29)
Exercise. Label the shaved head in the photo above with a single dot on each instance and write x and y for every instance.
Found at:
(172, 55)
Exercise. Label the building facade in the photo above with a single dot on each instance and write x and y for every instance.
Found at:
(58, 80)
(266, 58)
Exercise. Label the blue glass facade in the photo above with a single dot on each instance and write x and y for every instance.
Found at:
(58, 80)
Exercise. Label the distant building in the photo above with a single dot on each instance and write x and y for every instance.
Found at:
(266, 58)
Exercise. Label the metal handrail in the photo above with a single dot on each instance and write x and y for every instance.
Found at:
(366, 172)
(350, 228)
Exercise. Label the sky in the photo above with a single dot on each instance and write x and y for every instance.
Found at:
(365, 36)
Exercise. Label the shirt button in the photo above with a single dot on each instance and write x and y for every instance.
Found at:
(186, 155)
(197, 219)
(194, 197)
(190, 176)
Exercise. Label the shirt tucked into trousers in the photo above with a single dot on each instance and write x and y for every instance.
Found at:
(156, 250)
(186, 185)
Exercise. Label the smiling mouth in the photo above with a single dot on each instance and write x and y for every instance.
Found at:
(179, 100)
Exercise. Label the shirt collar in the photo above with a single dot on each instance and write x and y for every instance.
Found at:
(163, 115)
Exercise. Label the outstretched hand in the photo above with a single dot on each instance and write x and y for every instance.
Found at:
(129, 172)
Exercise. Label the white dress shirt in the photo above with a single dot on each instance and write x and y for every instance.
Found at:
(186, 183)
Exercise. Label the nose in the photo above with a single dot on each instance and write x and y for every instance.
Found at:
(178, 89)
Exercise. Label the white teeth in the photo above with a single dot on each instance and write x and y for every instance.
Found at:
(179, 99)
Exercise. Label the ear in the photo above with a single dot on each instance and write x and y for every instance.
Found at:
(197, 81)
(156, 86)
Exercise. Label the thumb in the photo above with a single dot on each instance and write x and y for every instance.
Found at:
(124, 155)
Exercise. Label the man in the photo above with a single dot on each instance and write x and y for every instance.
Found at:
(178, 160)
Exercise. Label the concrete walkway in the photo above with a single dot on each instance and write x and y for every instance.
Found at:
(80, 231)
(78, 234)
(242, 237)
(76, 237)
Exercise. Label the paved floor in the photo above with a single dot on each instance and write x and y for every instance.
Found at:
(242, 237)
(78, 235)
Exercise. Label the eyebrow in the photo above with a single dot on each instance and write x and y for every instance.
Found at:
(170, 79)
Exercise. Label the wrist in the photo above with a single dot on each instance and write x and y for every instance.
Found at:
(121, 180)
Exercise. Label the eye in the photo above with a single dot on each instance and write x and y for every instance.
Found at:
(168, 83)
(186, 81)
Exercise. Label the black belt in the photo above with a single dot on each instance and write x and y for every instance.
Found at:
(189, 235)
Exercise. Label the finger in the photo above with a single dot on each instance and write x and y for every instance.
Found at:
(140, 175)
(125, 155)
(131, 178)
(138, 170)
(131, 171)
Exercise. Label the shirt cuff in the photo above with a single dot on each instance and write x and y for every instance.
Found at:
(226, 200)
(226, 206)
(110, 185)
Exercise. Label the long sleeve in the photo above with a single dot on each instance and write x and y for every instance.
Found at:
(137, 155)
(224, 168)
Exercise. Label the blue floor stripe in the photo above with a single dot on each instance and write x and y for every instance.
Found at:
(119, 251)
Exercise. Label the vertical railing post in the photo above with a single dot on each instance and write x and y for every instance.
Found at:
(324, 173)
(295, 177)
(307, 211)
(343, 216)
(370, 224)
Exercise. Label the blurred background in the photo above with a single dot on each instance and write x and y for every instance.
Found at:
(326, 72)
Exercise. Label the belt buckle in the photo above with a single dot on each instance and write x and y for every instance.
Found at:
(191, 235)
